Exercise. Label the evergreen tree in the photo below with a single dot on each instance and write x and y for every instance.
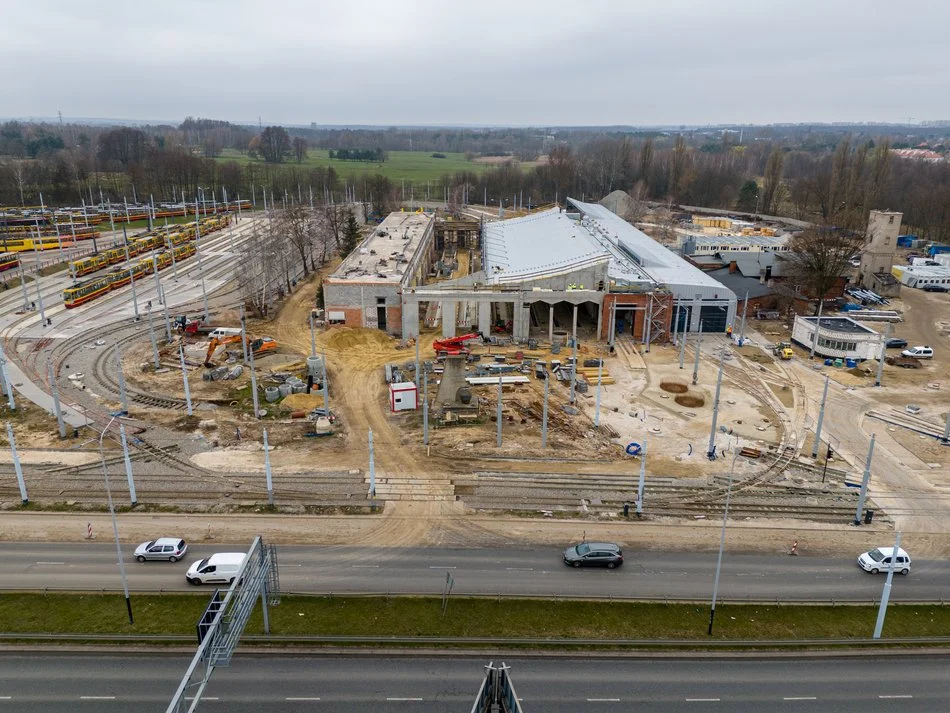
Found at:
(351, 234)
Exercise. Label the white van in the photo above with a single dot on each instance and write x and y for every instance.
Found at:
(219, 568)
(222, 332)
(879, 560)
(918, 353)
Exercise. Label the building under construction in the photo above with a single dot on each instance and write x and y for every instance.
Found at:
(530, 277)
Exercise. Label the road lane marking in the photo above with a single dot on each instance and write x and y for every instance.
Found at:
(50, 563)
(204, 698)
(403, 699)
(365, 566)
(702, 700)
(520, 569)
(603, 700)
(6, 698)
(97, 698)
(749, 574)
(895, 696)
(800, 698)
(441, 566)
(302, 698)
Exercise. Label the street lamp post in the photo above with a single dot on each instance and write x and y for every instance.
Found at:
(115, 525)
(722, 543)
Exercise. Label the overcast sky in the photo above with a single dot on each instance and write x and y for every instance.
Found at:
(515, 62)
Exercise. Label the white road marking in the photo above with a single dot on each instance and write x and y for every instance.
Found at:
(403, 699)
(365, 566)
(800, 698)
(301, 698)
(441, 566)
(603, 700)
(50, 563)
(702, 700)
(520, 569)
(749, 574)
(204, 698)
(5, 698)
(97, 698)
(895, 696)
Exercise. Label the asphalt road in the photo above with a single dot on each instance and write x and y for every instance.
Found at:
(529, 572)
(99, 684)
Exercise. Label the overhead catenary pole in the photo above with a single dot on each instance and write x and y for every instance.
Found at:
(123, 396)
(648, 325)
(600, 371)
(326, 385)
(880, 357)
(128, 465)
(821, 418)
(128, 260)
(257, 410)
(158, 279)
(168, 323)
(682, 342)
(39, 294)
(184, 376)
(498, 417)
(711, 450)
(699, 345)
(244, 349)
(745, 306)
(814, 340)
(372, 467)
(886, 594)
(313, 341)
(643, 476)
(425, 407)
(151, 335)
(115, 524)
(417, 363)
(722, 543)
(201, 272)
(16, 465)
(864, 484)
(267, 472)
(6, 381)
(544, 412)
(945, 439)
(26, 298)
(56, 405)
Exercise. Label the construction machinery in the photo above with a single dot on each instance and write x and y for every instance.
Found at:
(454, 346)
(257, 346)
(783, 350)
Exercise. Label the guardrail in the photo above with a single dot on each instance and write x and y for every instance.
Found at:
(555, 598)
(491, 641)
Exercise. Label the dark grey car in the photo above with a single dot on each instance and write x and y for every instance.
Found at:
(594, 554)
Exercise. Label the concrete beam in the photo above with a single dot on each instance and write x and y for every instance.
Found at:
(449, 310)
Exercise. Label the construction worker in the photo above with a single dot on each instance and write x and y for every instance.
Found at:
(729, 331)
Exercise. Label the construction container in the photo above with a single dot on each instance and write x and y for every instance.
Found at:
(271, 394)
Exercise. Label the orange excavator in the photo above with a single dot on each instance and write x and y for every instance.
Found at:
(263, 344)
(453, 346)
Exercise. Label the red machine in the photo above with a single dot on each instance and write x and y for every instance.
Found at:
(453, 346)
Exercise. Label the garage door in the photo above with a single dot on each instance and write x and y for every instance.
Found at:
(714, 318)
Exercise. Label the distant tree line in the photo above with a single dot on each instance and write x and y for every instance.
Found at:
(827, 175)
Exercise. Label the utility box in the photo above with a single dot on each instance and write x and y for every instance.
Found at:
(403, 396)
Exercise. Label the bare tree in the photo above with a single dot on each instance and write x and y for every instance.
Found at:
(820, 256)
(298, 226)
(299, 146)
(772, 180)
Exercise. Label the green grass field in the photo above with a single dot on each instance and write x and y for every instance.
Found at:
(415, 166)
(469, 617)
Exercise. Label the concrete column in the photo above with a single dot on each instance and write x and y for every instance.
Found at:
(484, 318)
(448, 318)
(551, 323)
(520, 320)
(574, 325)
(410, 320)
(600, 320)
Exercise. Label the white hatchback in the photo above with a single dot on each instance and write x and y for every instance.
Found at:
(880, 560)
(170, 549)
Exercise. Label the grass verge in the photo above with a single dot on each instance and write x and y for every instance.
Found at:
(469, 617)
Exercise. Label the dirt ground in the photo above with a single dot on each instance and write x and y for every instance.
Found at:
(418, 524)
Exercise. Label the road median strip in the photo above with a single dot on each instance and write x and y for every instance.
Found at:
(415, 621)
